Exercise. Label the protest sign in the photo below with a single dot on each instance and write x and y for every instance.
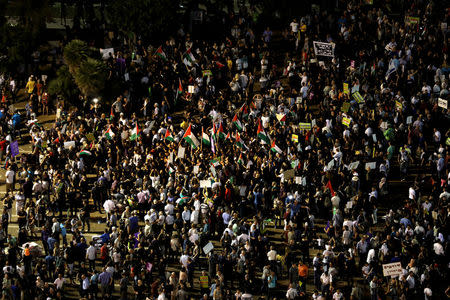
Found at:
(442, 103)
(358, 98)
(289, 174)
(392, 269)
(346, 90)
(68, 145)
(14, 148)
(371, 165)
(346, 121)
(208, 248)
(105, 52)
(205, 183)
(295, 138)
(242, 190)
(190, 89)
(305, 126)
(345, 107)
(196, 169)
(323, 49)
(181, 152)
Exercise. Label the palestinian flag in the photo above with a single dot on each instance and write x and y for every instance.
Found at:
(281, 118)
(85, 152)
(261, 134)
(111, 116)
(275, 148)
(161, 53)
(220, 132)
(180, 87)
(205, 138)
(240, 159)
(237, 123)
(190, 138)
(215, 162)
(188, 58)
(56, 141)
(134, 133)
(239, 142)
(228, 136)
(330, 188)
(168, 136)
(109, 134)
(244, 111)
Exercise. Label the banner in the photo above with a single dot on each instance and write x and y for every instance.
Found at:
(323, 49)
(393, 269)
(14, 148)
(305, 126)
(412, 20)
(442, 103)
(358, 98)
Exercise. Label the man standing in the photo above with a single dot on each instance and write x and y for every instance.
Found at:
(106, 280)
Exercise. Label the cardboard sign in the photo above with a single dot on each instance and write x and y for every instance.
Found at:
(393, 269)
(409, 120)
(442, 103)
(305, 126)
(208, 248)
(298, 180)
(196, 169)
(345, 107)
(181, 152)
(323, 49)
(295, 138)
(205, 184)
(289, 174)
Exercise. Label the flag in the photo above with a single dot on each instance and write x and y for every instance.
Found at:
(190, 138)
(261, 134)
(205, 138)
(109, 134)
(111, 116)
(275, 148)
(330, 188)
(239, 142)
(228, 136)
(56, 141)
(134, 133)
(281, 118)
(240, 160)
(168, 136)
(214, 132)
(188, 58)
(244, 111)
(237, 123)
(220, 131)
(179, 90)
(161, 53)
(219, 65)
(85, 152)
(213, 147)
(215, 162)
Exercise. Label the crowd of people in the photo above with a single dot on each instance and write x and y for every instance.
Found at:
(244, 167)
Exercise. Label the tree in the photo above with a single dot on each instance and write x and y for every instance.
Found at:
(145, 18)
(75, 52)
(91, 77)
(64, 85)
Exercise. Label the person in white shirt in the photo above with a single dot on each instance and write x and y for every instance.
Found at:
(294, 27)
(9, 175)
(338, 295)
(59, 282)
(292, 292)
(272, 254)
(91, 255)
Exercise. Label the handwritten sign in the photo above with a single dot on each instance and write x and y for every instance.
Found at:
(181, 152)
(346, 90)
(295, 138)
(442, 103)
(289, 174)
(208, 248)
(358, 98)
(346, 121)
(345, 107)
(14, 148)
(323, 49)
(393, 269)
(205, 184)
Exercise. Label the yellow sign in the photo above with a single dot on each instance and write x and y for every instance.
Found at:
(305, 126)
(346, 121)
(295, 138)
(346, 91)
(357, 96)
(398, 105)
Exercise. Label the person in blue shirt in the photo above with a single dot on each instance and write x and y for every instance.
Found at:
(105, 237)
(258, 197)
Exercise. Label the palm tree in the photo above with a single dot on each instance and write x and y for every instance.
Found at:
(63, 85)
(91, 77)
(75, 53)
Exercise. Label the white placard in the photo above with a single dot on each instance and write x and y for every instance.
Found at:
(170, 160)
(242, 190)
(208, 248)
(371, 165)
(409, 120)
(68, 145)
(196, 169)
(393, 269)
(374, 138)
(190, 89)
(181, 152)
(205, 184)
(323, 49)
(298, 180)
(353, 165)
(442, 103)
(349, 204)
(105, 52)
(330, 164)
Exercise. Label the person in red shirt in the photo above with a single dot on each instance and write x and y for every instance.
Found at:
(3, 144)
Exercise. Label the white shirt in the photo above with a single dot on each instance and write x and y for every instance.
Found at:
(272, 255)
(294, 27)
(91, 253)
(9, 176)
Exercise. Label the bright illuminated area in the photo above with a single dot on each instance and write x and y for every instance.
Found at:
(224, 149)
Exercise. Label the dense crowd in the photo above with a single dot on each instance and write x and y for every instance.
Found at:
(236, 141)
